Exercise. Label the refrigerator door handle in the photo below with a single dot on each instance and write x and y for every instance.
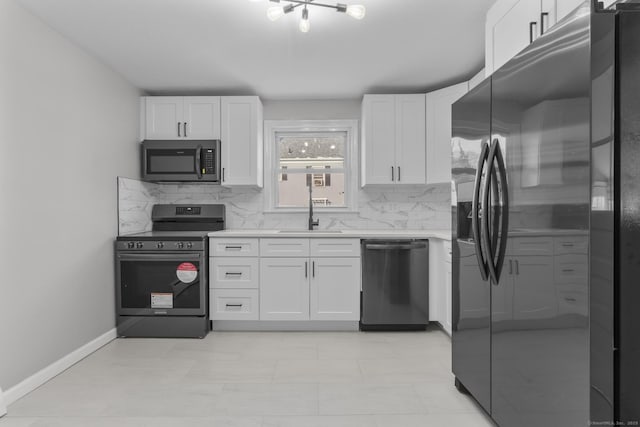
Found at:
(504, 209)
(496, 263)
(475, 213)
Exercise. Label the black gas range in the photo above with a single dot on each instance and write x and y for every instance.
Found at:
(162, 275)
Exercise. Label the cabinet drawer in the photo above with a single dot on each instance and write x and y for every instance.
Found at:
(233, 247)
(284, 247)
(335, 247)
(530, 246)
(571, 269)
(234, 273)
(571, 245)
(234, 304)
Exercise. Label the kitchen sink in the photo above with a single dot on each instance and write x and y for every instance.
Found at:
(310, 231)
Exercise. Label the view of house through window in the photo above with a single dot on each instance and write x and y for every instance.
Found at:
(311, 158)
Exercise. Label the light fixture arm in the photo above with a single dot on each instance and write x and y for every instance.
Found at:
(339, 7)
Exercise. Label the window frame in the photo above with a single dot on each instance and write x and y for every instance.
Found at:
(271, 160)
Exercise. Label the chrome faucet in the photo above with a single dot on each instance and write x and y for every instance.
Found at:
(312, 222)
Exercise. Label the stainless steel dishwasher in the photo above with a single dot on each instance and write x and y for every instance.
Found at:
(395, 284)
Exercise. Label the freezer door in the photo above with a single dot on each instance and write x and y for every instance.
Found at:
(471, 299)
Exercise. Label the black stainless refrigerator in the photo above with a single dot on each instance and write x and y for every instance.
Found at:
(546, 228)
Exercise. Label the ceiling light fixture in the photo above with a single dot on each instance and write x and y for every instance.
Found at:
(356, 11)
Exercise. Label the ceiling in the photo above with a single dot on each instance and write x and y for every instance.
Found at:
(229, 47)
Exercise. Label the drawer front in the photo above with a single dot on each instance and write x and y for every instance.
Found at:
(234, 304)
(571, 245)
(571, 269)
(530, 246)
(234, 273)
(284, 247)
(233, 247)
(335, 247)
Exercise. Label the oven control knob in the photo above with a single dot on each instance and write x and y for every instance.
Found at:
(180, 245)
(189, 245)
(139, 245)
(160, 245)
(131, 245)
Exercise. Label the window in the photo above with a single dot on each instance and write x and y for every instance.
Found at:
(316, 155)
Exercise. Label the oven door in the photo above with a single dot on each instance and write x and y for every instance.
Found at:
(166, 284)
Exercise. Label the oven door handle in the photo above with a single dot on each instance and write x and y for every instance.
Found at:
(188, 256)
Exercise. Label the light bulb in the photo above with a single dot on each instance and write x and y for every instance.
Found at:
(356, 11)
(275, 12)
(304, 25)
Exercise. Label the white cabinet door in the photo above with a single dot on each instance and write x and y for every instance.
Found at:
(241, 140)
(335, 289)
(378, 139)
(410, 139)
(515, 30)
(202, 117)
(284, 289)
(164, 117)
(439, 131)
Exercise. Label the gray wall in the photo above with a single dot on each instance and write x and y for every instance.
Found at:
(68, 127)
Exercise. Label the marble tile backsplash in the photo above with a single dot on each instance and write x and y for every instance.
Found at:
(426, 207)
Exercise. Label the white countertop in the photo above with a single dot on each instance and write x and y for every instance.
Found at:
(360, 234)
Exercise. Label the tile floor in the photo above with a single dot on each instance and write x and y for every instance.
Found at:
(258, 379)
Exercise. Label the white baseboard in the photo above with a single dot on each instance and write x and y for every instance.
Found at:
(36, 380)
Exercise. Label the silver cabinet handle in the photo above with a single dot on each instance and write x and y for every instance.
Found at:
(392, 175)
(179, 129)
(533, 27)
(233, 247)
(233, 305)
(399, 179)
(543, 16)
(510, 266)
(313, 269)
(306, 269)
(231, 273)
(185, 129)
(222, 174)
(517, 267)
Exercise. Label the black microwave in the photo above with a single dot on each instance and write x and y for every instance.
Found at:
(181, 161)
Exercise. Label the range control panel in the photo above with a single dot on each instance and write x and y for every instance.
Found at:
(160, 245)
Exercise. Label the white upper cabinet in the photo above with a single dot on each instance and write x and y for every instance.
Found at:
(439, 131)
(178, 117)
(513, 24)
(202, 117)
(410, 139)
(242, 141)
(393, 139)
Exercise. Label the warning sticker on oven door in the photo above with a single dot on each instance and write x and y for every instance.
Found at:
(161, 300)
(187, 272)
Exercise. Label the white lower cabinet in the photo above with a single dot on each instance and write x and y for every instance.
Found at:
(440, 300)
(285, 279)
(323, 287)
(284, 289)
(335, 289)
